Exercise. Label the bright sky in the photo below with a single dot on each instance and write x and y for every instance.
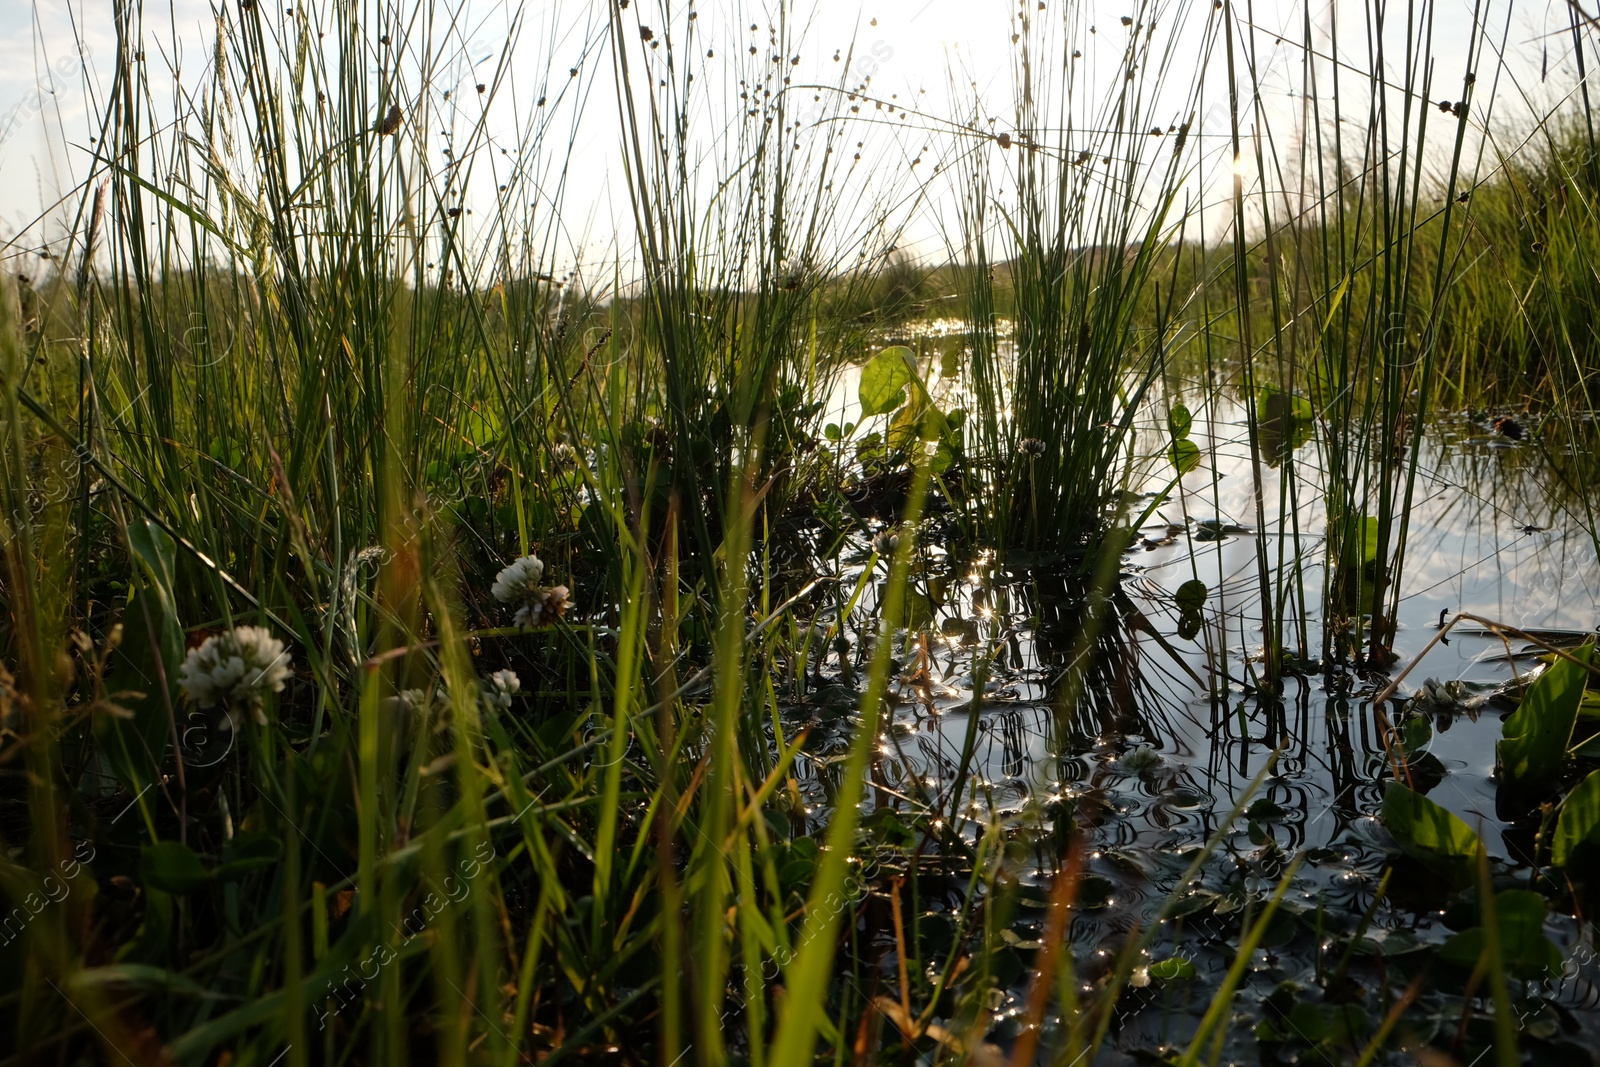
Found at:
(916, 50)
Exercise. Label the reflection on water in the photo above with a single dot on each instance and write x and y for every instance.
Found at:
(1126, 735)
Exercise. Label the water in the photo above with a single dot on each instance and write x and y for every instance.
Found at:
(1150, 762)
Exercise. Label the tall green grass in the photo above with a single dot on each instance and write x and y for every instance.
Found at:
(1068, 207)
(301, 371)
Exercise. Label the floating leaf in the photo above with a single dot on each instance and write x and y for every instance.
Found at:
(1191, 595)
(1534, 738)
(1524, 950)
(884, 379)
(1185, 456)
(1264, 810)
(1172, 969)
(1429, 832)
(1179, 421)
(1415, 734)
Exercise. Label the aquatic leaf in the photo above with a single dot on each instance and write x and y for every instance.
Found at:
(1179, 421)
(1589, 707)
(950, 364)
(1524, 950)
(172, 866)
(1429, 833)
(884, 379)
(1191, 595)
(1264, 810)
(1185, 456)
(1095, 891)
(1535, 737)
(1173, 969)
(1415, 734)
(1579, 821)
(831, 431)
(1337, 1024)
(1284, 420)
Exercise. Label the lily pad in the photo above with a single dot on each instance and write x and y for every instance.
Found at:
(1524, 950)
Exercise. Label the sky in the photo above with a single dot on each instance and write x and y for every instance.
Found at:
(938, 55)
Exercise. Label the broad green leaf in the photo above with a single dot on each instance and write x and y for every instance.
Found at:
(1172, 969)
(226, 451)
(1429, 832)
(1185, 456)
(1589, 707)
(884, 379)
(1191, 595)
(934, 425)
(1179, 420)
(172, 866)
(1524, 950)
(1535, 737)
(1579, 821)
(1415, 733)
(950, 364)
(481, 427)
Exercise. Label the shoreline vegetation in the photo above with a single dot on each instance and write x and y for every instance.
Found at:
(658, 633)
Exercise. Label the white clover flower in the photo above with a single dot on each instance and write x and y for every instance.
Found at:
(236, 669)
(411, 701)
(516, 583)
(494, 693)
(498, 689)
(519, 584)
(544, 603)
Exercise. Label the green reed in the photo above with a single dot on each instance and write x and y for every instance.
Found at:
(297, 373)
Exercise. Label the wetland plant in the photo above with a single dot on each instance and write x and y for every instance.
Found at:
(287, 432)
